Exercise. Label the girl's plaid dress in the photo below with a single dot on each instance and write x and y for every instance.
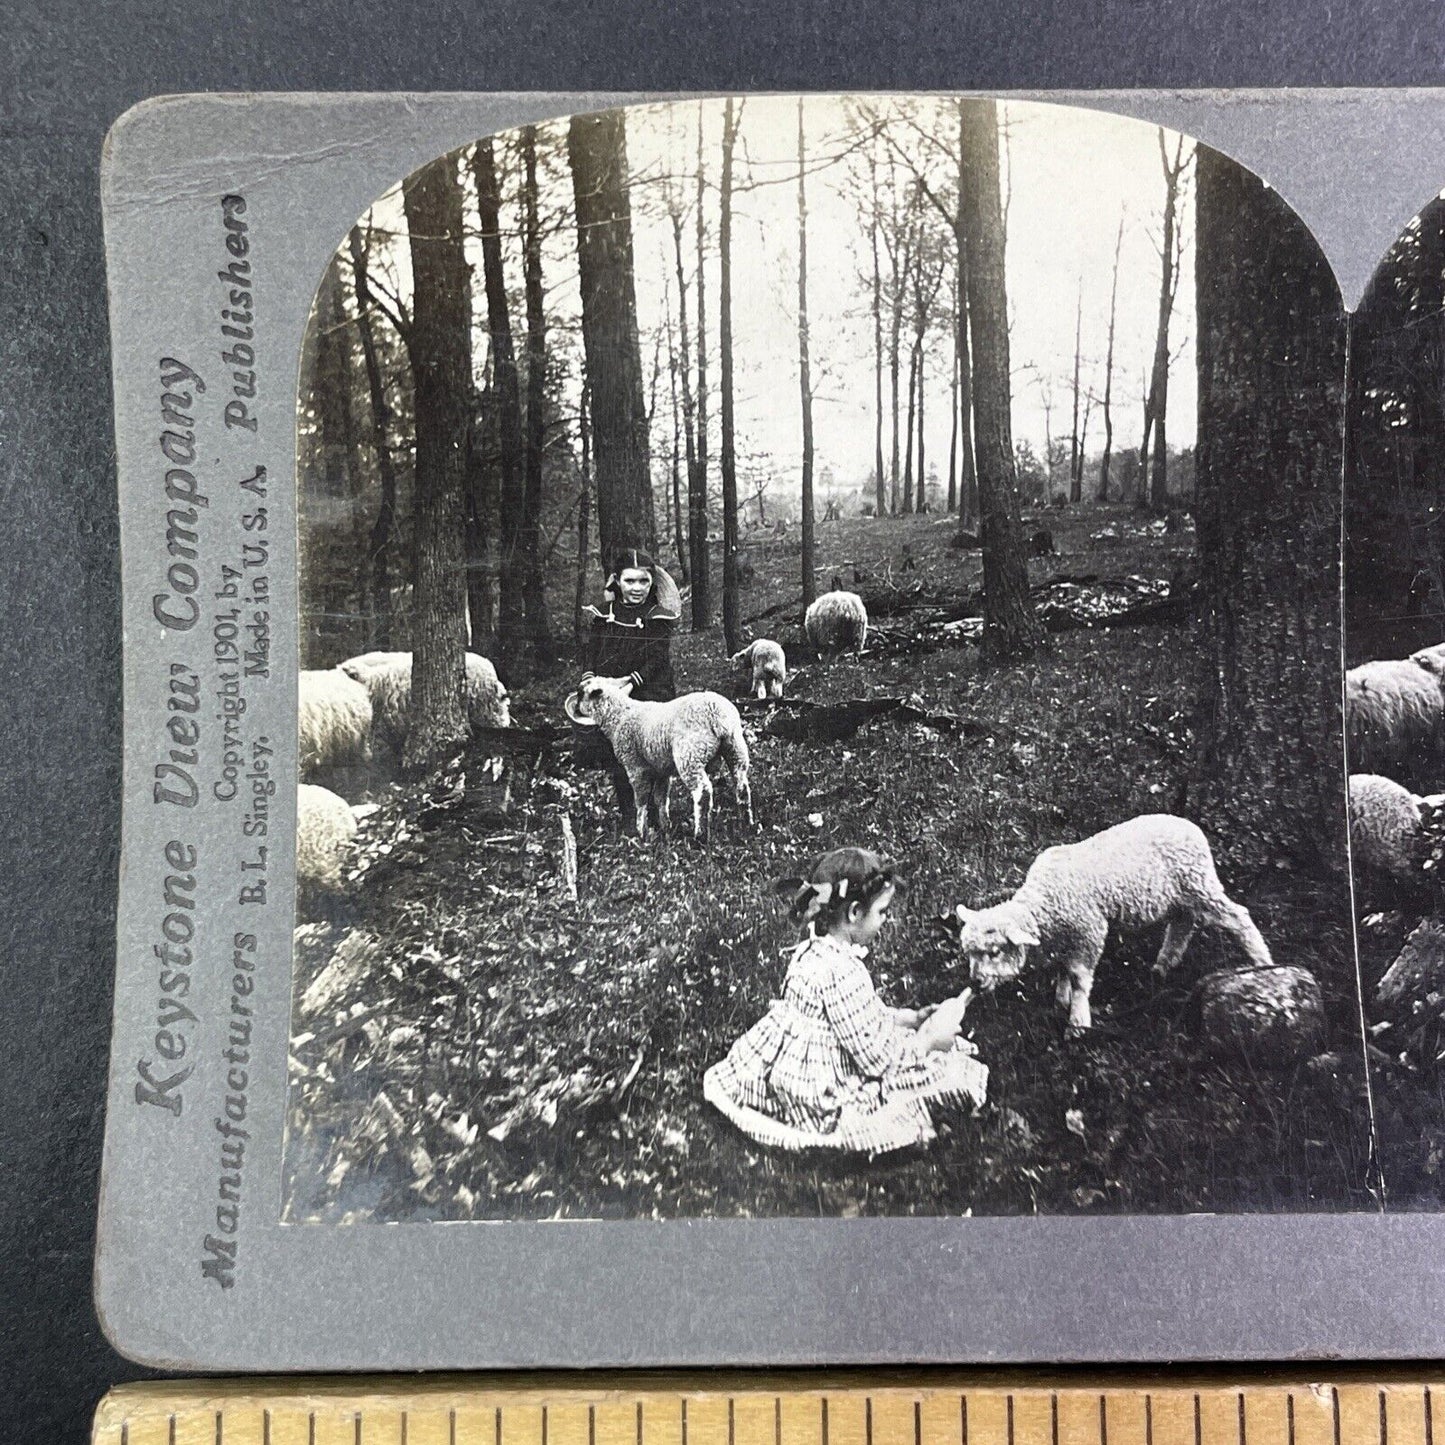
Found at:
(829, 1066)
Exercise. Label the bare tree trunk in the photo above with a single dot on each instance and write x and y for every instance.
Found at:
(921, 499)
(481, 508)
(584, 508)
(694, 561)
(539, 627)
(332, 544)
(731, 626)
(511, 449)
(702, 558)
(1271, 356)
(952, 406)
(672, 368)
(969, 500)
(442, 373)
(597, 147)
(804, 376)
(1103, 492)
(1076, 472)
(1010, 627)
(907, 507)
(378, 551)
(1157, 495)
(880, 495)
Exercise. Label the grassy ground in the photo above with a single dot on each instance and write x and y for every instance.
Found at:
(519, 1054)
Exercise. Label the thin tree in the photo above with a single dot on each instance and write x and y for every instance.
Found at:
(1076, 471)
(1271, 359)
(880, 495)
(442, 386)
(378, 547)
(538, 627)
(731, 626)
(696, 506)
(805, 382)
(597, 149)
(584, 506)
(672, 368)
(697, 496)
(1103, 493)
(1156, 495)
(1010, 628)
(511, 447)
(906, 507)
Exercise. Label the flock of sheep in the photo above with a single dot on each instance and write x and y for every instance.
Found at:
(1148, 871)
(1395, 729)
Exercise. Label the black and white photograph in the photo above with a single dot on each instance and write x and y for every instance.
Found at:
(821, 679)
(1395, 709)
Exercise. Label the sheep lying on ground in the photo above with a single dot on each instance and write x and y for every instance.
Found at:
(333, 724)
(836, 622)
(658, 741)
(1152, 869)
(325, 833)
(769, 666)
(386, 676)
(1394, 712)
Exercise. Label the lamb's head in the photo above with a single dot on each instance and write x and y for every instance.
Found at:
(1432, 659)
(995, 941)
(598, 698)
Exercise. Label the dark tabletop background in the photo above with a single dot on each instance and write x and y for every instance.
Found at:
(66, 71)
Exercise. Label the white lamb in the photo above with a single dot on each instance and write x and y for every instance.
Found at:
(1394, 711)
(386, 676)
(769, 666)
(658, 741)
(836, 622)
(1386, 837)
(333, 721)
(325, 834)
(1149, 870)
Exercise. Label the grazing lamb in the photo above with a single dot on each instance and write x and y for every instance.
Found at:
(325, 833)
(333, 721)
(657, 741)
(837, 622)
(1390, 834)
(1152, 869)
(1394, 712)
(386, 676)
(769, 665)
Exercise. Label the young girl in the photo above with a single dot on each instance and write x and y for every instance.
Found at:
(830, 1064)
(629, 639)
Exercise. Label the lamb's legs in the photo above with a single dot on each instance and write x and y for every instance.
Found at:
(1233, 918)
(641, 793)
(701, 788)
(742, 790)
(1078, 966)
(1177, 933)
(760, 690)
(1064, 990)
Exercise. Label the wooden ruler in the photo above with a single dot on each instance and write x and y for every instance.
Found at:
(1341, 1406)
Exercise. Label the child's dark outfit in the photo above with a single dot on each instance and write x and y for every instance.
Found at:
(633, 642)
(830, 1066)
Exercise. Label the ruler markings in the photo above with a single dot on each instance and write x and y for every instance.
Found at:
(1395, 1411)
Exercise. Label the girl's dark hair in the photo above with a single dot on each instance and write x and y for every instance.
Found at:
(626, 557)
(832, 882)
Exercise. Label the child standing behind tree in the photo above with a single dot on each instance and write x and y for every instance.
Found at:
(830, 1065)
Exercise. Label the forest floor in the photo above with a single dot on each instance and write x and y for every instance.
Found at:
(503, 1050)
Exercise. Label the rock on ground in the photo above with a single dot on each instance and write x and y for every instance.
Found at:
(1272, 1015)
(1418, 972)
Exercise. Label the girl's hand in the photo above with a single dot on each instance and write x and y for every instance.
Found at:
(941, 1027)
